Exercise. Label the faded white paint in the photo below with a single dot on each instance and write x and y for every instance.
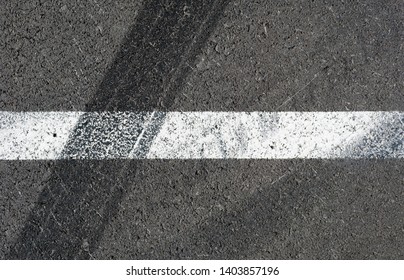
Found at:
(216, 135)
(282, 135)
(35, 135)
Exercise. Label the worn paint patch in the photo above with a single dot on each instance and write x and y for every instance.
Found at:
(201, 135)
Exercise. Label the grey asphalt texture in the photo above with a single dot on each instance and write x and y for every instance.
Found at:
(202, 55)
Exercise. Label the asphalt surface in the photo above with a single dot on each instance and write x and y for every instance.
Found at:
(202, 55)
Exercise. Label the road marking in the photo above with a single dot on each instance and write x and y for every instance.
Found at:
(35, 135)
(201, 135)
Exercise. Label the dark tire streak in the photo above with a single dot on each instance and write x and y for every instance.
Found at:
(83, 196)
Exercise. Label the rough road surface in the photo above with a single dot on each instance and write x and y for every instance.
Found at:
(211, 55)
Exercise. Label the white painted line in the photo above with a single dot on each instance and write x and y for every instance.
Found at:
(283, 135)
(35, 135)
(201, 135)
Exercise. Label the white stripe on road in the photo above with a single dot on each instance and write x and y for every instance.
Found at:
(281, 135)
(35, 135)
(201, 135)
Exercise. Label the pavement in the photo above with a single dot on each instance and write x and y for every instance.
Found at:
(213, 55)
